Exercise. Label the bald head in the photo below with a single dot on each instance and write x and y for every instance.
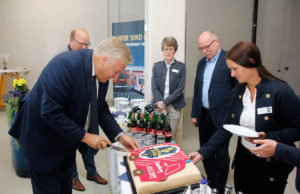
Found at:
(208, 42)
(79, 39)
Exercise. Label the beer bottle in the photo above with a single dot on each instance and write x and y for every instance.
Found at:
(168, 130)
(138, 117)
(159, 126)
(141, 125)
(150, 127)
(129, 119)
(133, 126)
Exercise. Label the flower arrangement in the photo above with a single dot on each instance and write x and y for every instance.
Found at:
(20, 84)
(12, 107)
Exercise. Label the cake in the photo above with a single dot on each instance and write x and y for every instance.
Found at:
(160, 168)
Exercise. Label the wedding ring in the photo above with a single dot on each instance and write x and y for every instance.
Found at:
(258, 155)
(100, 147)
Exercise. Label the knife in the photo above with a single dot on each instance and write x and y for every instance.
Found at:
(118, 148)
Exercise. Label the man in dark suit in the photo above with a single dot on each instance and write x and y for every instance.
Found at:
(79, 39)
(64, 109)
(211, 91)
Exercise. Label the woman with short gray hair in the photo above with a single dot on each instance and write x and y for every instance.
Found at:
(168, 82)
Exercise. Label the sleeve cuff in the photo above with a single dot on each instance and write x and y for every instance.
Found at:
(117, 137)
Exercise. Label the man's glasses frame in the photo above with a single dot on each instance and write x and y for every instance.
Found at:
(206, 47)
(81, 43)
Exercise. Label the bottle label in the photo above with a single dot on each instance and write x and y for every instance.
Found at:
(158, 132)
(133, 129)
(168, 134)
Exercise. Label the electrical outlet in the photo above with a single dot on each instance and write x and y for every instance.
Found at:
(286, 68)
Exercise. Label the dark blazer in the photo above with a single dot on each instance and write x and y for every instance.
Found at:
(177, 78)
(282, 124)
(291, 156)
(50, 123)
(218, 92)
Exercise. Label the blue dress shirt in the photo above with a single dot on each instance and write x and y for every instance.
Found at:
(208, 71)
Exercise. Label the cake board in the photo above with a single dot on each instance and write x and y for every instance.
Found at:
(178, 190)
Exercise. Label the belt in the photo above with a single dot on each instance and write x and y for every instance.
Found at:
(205, 109)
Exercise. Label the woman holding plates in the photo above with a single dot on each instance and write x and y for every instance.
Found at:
(265, 104)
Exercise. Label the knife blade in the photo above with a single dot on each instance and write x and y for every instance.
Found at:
(118, 148)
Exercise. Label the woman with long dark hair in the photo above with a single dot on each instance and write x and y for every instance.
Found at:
(265, 104)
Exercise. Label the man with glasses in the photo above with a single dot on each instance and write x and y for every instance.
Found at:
(65, 105)
(211, 91)
(79, 39)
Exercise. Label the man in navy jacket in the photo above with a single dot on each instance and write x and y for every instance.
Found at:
(79, 39)
(213, 84)
(56, 114)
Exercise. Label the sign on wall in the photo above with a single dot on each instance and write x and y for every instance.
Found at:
(131, 82)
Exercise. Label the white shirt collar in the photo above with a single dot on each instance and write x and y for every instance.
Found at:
(93, 69)
(169, 65)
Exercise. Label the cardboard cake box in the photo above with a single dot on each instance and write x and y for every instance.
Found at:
(162, 167)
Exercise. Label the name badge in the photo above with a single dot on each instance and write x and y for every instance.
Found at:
(175, 70)
(264, 110)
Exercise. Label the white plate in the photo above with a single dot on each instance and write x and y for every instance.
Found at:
(240, 131)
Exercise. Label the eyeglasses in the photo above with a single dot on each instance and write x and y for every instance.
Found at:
(206, 47)
(82, 44)
(168, 49)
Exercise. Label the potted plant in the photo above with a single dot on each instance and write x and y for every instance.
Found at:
(12, 107)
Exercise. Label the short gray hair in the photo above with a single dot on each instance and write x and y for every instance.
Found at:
(169, 41)
(115, 49)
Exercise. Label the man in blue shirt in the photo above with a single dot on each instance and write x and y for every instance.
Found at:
(211, 91)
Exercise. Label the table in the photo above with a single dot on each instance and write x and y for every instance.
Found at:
(10, 72)
(116, 169)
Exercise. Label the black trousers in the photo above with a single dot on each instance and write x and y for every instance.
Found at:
(217, 166)
(55, 181)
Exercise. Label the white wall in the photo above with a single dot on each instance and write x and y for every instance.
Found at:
(33, 31)
(278, 38)
(231, 20)
(163, 18)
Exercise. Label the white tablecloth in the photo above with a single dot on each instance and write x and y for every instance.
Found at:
(116, 169)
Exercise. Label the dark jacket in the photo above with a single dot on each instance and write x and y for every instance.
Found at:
(218, 93)
(291, 156)
(177, 78)
(50, 123)
(281, 124)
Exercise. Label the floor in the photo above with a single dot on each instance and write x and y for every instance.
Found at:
(10, 183)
